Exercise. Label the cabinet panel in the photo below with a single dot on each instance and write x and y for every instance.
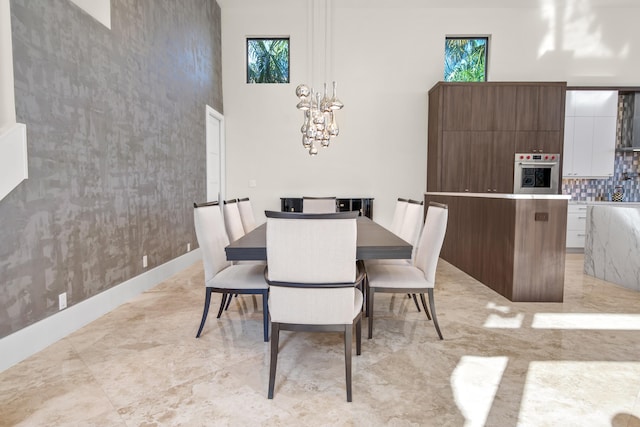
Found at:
(582, 146)
(455, 161)
(550, 108)
(603, 151)
(483, 102)
(527, 108)
(567, 152)
(487, 150)
(538, 142)
(493, 107)
(576, 225)
(457, 108)
(590, 133)
(505, 117)
(503, 154)
(481, 162)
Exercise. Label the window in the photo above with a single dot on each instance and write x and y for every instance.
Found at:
(267, 60)
(465, 59)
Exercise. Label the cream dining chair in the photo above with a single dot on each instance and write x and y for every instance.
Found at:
(246, 215)
(232, 220)
(406, 224)
(417, 277)
(220, 275)
(318, 204)
(398, 216)
(313, 277)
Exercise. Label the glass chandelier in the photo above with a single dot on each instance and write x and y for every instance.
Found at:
(319, 124)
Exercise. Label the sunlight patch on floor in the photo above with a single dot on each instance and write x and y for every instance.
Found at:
(580, 391)
(474, 382)
(594, 321)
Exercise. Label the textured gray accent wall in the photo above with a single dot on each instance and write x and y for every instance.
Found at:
(116, 139)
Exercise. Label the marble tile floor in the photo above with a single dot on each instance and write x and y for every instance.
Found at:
(575, 363)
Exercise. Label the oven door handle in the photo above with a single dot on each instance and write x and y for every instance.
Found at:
(538, 164)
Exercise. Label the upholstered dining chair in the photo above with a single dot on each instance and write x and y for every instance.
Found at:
(232, 220)
(398, 216)
(408, 228)
(220, 275)
(418, 277)
(246, 215)
(313, 278)
(318, 204)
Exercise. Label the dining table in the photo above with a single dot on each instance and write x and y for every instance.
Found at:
(373, 242)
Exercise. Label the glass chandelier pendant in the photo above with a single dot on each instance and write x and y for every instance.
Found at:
(319, 124)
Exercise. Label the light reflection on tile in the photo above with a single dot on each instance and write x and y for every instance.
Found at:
(141, 365)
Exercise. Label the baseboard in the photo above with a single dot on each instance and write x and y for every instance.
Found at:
(21, 344)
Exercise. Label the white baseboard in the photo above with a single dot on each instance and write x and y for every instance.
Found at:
(21, 344)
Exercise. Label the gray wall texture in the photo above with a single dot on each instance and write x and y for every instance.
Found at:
(116, 139)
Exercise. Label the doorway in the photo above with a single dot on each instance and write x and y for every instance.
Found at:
(215, 155)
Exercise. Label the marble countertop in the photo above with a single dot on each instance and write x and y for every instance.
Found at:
(504, 196)
(605, 203)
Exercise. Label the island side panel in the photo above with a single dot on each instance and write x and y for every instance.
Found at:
(539, 258)
(479, 239)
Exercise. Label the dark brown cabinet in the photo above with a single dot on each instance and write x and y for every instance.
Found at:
(493, 108)
(540, 108)
(471, 157)
(363, 205)
(539, 142)
(457, 108)
(475, 129)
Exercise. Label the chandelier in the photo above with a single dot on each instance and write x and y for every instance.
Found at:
(319, 124)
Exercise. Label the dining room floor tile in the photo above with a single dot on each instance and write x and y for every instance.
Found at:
(575, 363)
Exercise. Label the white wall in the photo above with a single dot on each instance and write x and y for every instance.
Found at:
(385, 58)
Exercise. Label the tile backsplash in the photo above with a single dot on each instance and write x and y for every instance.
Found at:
(590, 189)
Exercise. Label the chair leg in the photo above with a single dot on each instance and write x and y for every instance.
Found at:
(371, 291)
(222, 304)
(265, 315)
(415, 301)
(275, 337)
(424, 305)
(433, 312)
(207, 300)
(365, 295)
(348, 337)
(229, 298)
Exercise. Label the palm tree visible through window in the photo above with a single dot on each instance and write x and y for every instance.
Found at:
(465, 59)
(267, 60)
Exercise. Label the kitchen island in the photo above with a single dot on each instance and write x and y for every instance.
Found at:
(612, 244)
(512, 243)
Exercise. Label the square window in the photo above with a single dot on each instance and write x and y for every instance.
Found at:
(465, 59)
(267, 60)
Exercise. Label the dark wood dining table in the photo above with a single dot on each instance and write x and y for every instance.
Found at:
(374, 242)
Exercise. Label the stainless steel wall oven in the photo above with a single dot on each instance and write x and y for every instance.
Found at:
(536, 173)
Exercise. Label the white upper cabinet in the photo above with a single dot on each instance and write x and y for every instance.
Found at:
(590, 133)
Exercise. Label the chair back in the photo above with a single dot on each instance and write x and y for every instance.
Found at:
(232, 220)
(212, 238)
(311, 262)
(412, 222)
(246, 215)
(398, 216)
(435, 227)
(318, 204)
